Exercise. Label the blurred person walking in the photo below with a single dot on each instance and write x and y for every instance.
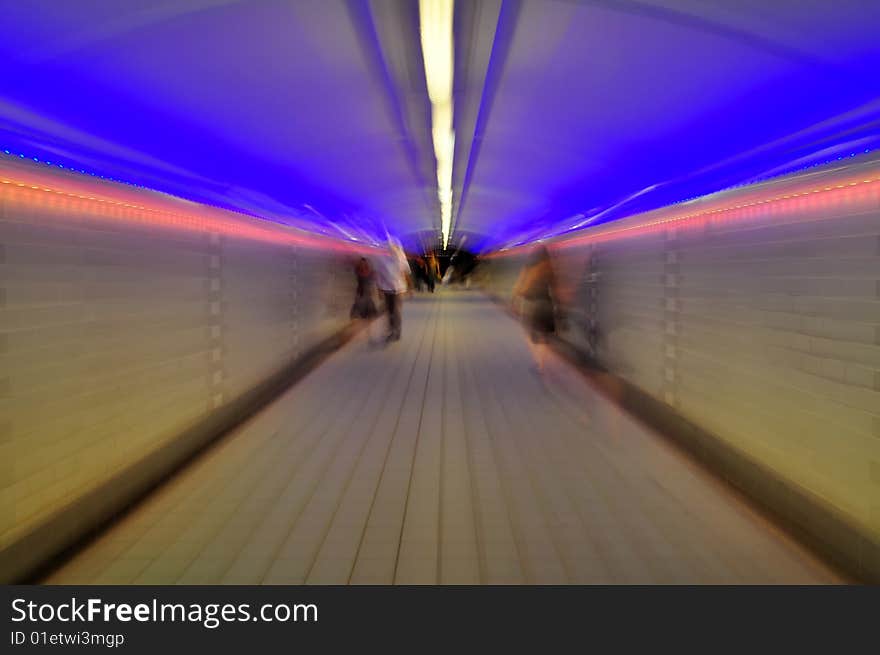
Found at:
(420, 273)
(536, 287)
(364, 307)
(433, 271)
(392, 274)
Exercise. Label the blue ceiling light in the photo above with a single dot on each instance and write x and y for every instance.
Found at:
(163, 106)
(626, 109)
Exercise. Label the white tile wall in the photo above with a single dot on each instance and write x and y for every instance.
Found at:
(116, 336)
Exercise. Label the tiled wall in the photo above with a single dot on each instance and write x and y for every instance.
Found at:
(116, 336)
(763, 328)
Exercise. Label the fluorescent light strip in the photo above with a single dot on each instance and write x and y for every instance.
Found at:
(435, 25)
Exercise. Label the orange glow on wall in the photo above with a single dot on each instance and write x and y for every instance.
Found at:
(100, 200)
(757, 204)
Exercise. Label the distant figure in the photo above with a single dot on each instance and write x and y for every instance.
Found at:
(392, 272)
(537, 287)
(433, 271)
(417, 268)
(421, 275)
(363, 307)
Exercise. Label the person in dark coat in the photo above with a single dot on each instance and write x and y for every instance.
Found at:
(364, 307)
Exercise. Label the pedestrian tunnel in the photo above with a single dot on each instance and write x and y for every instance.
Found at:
(627, 255)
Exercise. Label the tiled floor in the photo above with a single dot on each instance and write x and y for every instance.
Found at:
(443, 458)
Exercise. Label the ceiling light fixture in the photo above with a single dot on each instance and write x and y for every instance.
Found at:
(435, 25)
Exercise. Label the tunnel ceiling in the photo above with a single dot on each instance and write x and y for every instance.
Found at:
(316, 112)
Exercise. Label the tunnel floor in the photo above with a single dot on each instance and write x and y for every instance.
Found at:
(443, 458)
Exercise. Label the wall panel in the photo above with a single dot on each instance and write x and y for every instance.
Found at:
(118, 334)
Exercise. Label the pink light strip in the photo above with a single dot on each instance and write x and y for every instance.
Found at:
(103, 201)
(750, 205)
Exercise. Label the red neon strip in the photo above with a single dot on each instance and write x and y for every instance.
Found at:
(103, 201)
(749, 205)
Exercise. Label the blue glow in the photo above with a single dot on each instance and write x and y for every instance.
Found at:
(626, 109)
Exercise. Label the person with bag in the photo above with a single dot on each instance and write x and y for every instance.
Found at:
(536, 287)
